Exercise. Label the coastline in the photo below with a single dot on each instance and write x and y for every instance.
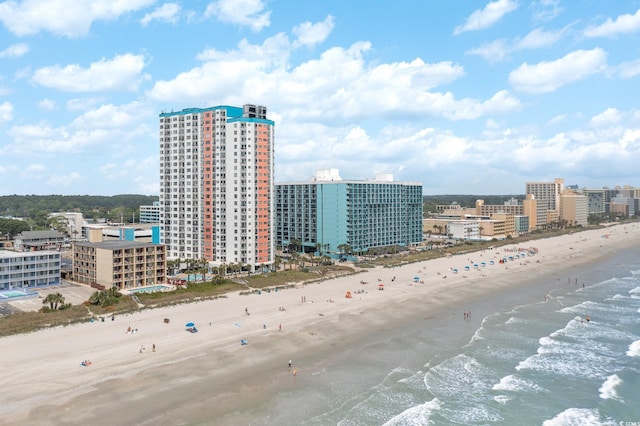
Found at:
(193, 377)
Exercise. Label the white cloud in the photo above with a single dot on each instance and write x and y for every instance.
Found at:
(6, 112)
(105, 130)
(143, 173)
(249, 13)
(484, 18)
(341, 82)
(15, 50)
(629, 69)
(309, 34)
(623, 24)
(545, 77)
(64, 180)
(68, 18)
(608, 117)
(546, 10)
(123, 72)
(112, 117)
(494, 51)
(47, 105)
(168, 12)
(499, 50)
(539, 38)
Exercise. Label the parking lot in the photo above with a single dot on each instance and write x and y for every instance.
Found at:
(73, 293)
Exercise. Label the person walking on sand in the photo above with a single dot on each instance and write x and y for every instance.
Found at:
(280, 327)
(289, 363)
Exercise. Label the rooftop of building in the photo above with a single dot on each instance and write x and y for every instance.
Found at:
(39, 234)
(8, 254)
(116, 244)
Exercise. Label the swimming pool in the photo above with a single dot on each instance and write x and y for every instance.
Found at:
(12, 294)
(149, 289)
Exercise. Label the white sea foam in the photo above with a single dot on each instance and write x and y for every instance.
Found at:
(418, 415)
(634, 349)
(502, 399)
(608, 388)
(514, 383)
(575, 416)
(516, 320)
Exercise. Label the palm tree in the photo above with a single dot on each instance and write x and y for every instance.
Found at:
(54, 300)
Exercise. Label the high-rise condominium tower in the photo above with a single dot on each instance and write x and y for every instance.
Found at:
(216, 185)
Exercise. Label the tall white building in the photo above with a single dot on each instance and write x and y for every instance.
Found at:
(547, 191)
(216, 185)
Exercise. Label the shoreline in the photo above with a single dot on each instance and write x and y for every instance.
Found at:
(168, 385)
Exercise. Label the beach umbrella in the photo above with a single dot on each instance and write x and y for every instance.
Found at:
(189, 324)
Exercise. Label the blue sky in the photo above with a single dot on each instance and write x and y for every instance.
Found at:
(463, 96)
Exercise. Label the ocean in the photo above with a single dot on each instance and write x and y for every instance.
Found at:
(537, 363)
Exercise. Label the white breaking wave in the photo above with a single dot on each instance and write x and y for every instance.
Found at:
(634, 349)
(577, 417)
(514, 383)
(418, 415)
(608, 388)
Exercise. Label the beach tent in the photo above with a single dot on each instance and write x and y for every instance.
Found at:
(416, 279)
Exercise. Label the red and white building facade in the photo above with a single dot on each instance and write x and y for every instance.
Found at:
(217, 185)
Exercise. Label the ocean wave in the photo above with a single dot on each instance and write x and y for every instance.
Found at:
(634, 349)
(514, 383)
(608, 388)
(418, 415)
(577, 417)
(502, 399)
(517, 320)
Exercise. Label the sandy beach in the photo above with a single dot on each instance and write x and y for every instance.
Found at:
(163, 374)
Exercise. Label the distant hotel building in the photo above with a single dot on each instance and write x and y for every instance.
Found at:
(327, 213)
(38, 240)
(29, 269)
(150, 214)
(547, 191)
(216, 185)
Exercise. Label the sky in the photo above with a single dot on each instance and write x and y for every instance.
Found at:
(464, 97)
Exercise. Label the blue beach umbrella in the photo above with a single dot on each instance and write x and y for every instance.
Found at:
(189, 324)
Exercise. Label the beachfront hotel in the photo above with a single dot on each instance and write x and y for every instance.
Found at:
(328, 212)
(122, 264)
(29, 269)
(216, 185)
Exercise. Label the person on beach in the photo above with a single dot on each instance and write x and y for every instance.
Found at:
(153, 347)
(289, 363)
(280, 327)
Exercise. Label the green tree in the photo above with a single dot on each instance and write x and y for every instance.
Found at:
(54, 300)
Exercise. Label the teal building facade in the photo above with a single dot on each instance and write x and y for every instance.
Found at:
(326, 215)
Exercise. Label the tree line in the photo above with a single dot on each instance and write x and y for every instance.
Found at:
(34, 210)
